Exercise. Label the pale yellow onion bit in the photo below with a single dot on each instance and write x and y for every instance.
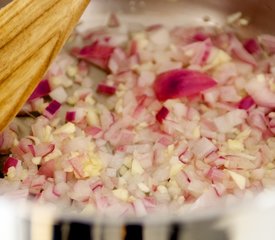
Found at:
(234, 17)
(235, 145)
(238, 179)
(121, 194)
(136, 168)
(72, 71)
(93, 165)
(92, 117)
(54, 154)
(36, 160)
(67, 128)
(143, 187)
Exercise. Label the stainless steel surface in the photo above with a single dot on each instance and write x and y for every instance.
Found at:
(178, 12)
(260, 12)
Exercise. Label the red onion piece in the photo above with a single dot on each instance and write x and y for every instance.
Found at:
(24, 144)
(47, 168)
(268, 41)
(140, 106)
(96, 185)
(203, 147)
(96, 54)
(105, 89)
(92, 130)
(154, 27)
(252, 46)
(257, 119)
(260, 92)
(77, 166)
(42, 149)
(38, 181)
(133, 49)
(165, 141)
(10, 162)
(271, 125)
(240, 52)
(113, 21)
(31, 147)
(200, 37)
(246, 103)
(201, 51)
(162, 114)
(53, 107)
(43, 89)
(225, 123)
(181, 83)
(207, 51)
(70, 116)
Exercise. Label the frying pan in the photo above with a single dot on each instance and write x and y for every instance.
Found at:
(253, 219)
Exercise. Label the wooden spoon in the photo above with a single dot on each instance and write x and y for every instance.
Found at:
(32, 32)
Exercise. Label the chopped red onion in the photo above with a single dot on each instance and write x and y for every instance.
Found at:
(252, 46)
(181, 83)
(10, 162)
(260, 91)
(77, 166)
(70, 116)
(47, 169)
(92, 131)
(105, 89)
(42, 149)
(211, 138)
(43, 89)
(154, 27)
(113, 21)
(199, 52)
(52, 108)
(31, 147)
(37, 182)
(240, 52)
(246, 103)
(96, 185)
(200, 37)
(228, 121)
(96, 54)
(162, 114)
(133, 49)
(203, 147)
(268, 41)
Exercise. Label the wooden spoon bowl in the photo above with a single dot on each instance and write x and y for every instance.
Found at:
(32, 34)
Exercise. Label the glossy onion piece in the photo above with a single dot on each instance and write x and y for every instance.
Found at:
(268, 42)
(252, 46)
(41, 90)
(53, 107)
(105, 89)
(10, 162)
(96, 54)
(260, 91)
(181, 83)
(70, 116)
(246, 103)
(238, 50)
(162, 114)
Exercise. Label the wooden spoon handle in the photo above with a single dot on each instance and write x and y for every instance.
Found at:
(32, 34)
